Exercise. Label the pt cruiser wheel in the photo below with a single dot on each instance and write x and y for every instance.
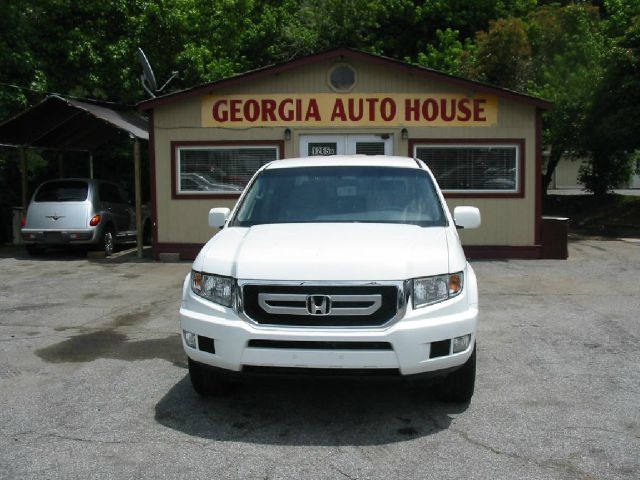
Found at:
(108, 241)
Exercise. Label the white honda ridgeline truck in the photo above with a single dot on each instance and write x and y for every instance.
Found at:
(335, 265)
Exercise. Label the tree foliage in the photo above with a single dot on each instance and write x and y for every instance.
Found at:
(503, 55)
(568, 58)
(613, 120)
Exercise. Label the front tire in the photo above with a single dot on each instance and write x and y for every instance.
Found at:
(205, 382)
(458, 387)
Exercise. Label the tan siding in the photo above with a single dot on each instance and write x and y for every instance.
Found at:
(185, 221)
(313, 79)
(508, 221)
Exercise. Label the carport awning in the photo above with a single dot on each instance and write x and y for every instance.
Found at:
(60, 123)
(64, 124)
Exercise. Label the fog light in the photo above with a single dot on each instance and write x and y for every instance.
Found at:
(190, 338)
(460, 344)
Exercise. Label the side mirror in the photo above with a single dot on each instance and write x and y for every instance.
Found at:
(466, 217)
(218, 217)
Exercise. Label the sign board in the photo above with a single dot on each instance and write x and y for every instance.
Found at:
(349, 110)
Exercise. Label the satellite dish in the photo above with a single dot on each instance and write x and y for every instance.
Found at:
(148, 78)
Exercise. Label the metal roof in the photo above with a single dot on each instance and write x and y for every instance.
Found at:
(61, 123)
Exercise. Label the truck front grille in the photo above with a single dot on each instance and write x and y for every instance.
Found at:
(320, 305)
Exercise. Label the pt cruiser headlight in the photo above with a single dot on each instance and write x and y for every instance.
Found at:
(430, 290)
(213, 287)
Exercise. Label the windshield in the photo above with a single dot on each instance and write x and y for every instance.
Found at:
(341, 194)
(63, 191)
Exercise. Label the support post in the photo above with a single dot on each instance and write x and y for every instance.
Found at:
(23, 178)
(138, 189)
(91, 165)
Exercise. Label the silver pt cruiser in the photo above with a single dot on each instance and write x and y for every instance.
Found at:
(80, 211)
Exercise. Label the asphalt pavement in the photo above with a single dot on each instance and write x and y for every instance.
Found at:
(93, 383)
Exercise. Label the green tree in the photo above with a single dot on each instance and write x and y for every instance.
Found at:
(568, 48)
(448, 54)
(18, 62)
(503, 54)
(613, 122)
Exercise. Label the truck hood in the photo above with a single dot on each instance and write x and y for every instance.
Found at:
(328, 251)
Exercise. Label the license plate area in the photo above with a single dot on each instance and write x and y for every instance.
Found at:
(53, 237)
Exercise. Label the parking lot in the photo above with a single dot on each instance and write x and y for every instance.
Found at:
(93, 383)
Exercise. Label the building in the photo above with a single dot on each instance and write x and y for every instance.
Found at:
(483, 143)
(566, 174)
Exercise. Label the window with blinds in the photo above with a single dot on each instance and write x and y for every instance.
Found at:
(369, 148)
(484, 168)
(220, 169)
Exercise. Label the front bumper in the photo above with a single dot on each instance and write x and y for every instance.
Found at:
(238, 345)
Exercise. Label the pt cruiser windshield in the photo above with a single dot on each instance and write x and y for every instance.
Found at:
(341, 194)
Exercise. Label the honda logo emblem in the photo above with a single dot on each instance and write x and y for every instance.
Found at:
(319, 304)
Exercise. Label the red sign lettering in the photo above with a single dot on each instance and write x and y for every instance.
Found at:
(338, 111)
(387, 109)
(478, 110)
(313, 112)
(353, 116)
(464, 113)
(411, 109)
(325, 109)
(268, 110)
(251, 110)
(220, 116)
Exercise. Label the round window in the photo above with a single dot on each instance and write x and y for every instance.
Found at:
(342, 78)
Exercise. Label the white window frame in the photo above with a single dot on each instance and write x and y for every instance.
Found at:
(178, 160)
(342, 90)
(517, 146)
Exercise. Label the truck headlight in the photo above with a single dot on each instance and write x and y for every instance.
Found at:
(430, 290)
(213, 287)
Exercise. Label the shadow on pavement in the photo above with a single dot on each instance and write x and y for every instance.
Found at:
(310, 412)
(125, 253)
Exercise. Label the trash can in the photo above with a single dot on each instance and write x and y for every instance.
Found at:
(555, 232)
(17, 225)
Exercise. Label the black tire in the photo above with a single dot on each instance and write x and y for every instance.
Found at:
(107, 241)
(205, 382)
(34, 250)
(458, 387)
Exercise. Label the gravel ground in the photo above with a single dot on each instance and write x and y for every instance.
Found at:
(93, 383)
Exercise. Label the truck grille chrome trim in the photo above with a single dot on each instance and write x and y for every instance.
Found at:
(319, 304)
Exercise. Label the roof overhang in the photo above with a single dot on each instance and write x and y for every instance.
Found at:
(60, 123)
(341, 54)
